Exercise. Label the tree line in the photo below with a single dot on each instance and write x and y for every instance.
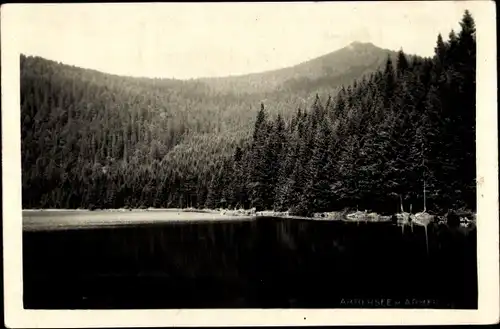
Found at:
(410, 124)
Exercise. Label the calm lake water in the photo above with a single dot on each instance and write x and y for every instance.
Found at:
(159, 260)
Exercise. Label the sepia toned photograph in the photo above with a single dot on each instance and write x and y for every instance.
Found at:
(237, 156)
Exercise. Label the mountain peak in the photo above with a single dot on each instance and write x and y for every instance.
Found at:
(357, 44)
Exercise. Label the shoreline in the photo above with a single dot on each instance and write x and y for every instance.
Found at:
(346, 216)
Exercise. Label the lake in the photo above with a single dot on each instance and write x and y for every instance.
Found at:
(166, 259)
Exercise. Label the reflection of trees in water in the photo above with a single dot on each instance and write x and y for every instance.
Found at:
(285, 234)
(292, 257)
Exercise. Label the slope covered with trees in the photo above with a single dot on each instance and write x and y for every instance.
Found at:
(88, 137)
(407, 127)
(96, 140)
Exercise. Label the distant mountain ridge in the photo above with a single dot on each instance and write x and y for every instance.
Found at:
(338, 67)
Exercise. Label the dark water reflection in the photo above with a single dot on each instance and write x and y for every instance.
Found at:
(264, 263)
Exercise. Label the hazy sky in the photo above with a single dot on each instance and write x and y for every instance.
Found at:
(218, 39)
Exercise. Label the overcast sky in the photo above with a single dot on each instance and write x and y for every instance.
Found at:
(219, 39)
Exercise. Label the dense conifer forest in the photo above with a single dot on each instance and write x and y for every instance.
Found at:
(92, 140)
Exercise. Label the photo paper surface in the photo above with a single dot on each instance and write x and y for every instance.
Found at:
(249, 164)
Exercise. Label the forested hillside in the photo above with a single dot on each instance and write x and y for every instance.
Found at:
(95, 140)
(406, 127)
